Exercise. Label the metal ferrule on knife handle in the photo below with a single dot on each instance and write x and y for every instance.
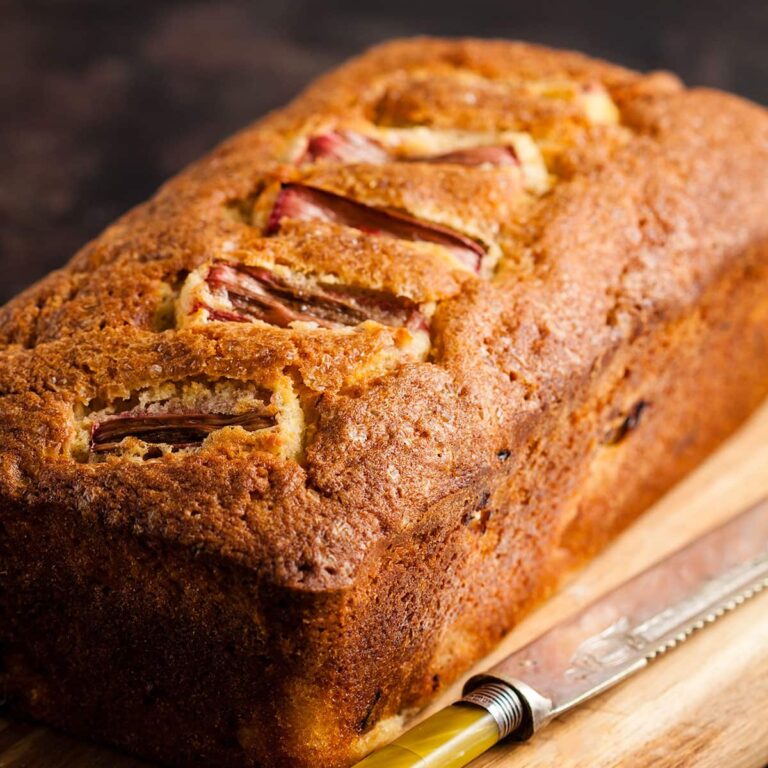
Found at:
(605, 643)
(644, 617)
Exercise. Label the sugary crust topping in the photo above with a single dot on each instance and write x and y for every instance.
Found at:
(349, 310)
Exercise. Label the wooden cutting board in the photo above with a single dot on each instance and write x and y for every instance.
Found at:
(704, 705)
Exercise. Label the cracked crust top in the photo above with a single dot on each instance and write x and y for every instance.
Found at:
(360, 304)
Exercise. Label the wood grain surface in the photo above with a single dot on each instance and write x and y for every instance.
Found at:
(701, 706)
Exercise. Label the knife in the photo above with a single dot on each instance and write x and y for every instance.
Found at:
(611, 639)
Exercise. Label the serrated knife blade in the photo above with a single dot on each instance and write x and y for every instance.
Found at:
(597, 648)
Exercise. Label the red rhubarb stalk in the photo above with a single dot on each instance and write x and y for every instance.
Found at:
(352, 147)
(181, 430)
(303, 203)
(257, 293)
(344, 147)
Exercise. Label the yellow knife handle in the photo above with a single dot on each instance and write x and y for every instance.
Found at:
(450, 738)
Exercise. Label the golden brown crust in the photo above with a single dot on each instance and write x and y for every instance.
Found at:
(632, 204)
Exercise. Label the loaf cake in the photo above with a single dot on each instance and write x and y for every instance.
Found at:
(288, 447)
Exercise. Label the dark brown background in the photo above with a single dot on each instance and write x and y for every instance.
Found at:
(100, 101)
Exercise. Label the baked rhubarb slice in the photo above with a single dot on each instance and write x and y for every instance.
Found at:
(345, 147)
(353, 147)
(299, 202)
(253, 292)
(496, 156)
(180, 430)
